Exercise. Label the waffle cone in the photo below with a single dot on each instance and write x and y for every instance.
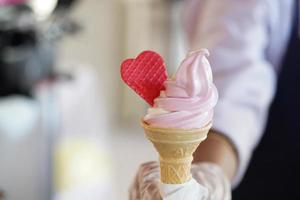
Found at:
(175, 148)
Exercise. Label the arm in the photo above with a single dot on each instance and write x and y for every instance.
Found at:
(218, 149)
(236, 34)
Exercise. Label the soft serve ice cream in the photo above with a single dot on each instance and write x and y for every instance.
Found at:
(189, 97)
(180, 115)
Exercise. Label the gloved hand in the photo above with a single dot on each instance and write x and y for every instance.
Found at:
(213, 183)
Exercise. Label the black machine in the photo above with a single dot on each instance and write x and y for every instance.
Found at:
(27, 49)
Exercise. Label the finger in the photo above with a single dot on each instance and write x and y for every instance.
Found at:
(134, 189)
(149, 166)
(213, 178)
(148, 171)
(149, 181)
(150, 190)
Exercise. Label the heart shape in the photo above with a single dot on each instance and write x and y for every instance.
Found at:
(145, 75)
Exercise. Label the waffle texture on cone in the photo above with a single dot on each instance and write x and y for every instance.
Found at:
(175, 148)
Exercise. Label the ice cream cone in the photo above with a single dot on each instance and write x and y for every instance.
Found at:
(175, 148)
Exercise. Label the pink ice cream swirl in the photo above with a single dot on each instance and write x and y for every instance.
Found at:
(189, 97)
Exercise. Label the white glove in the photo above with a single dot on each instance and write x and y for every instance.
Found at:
(212, 184)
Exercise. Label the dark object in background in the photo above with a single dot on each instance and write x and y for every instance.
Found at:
(27, 52)
(273, 172)
(65, 4)
(24, 57)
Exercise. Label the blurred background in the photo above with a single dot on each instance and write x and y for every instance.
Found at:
(69, 128)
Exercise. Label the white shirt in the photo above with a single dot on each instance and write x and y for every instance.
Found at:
(247, 41)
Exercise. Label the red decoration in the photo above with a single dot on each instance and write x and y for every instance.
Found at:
(145, 75)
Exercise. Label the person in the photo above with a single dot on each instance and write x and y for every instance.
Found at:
(254, 49)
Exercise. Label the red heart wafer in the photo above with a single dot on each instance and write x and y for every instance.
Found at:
(145, 75)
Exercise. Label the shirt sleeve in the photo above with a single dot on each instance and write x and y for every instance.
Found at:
(236, 34)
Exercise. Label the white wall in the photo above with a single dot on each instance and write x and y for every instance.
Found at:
(114, 30)
(98, 45)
